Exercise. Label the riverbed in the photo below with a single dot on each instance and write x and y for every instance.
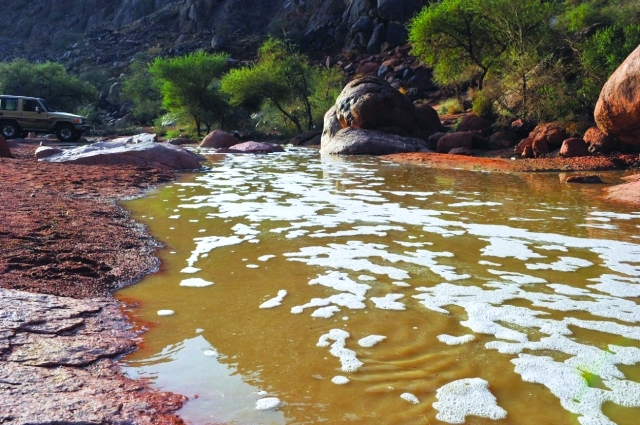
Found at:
(302, 289)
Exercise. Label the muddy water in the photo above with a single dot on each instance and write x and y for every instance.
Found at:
(360, 291)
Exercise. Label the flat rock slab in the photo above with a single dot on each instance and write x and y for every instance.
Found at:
(139, 150)
(626, 193)
(351, 141)
(253, 147)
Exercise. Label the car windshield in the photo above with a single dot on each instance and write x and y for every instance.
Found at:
(47, 107)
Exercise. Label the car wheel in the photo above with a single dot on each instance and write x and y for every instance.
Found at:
(66, 133)
(9, 130)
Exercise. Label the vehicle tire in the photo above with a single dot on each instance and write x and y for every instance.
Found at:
(10, 129)
(66, 133)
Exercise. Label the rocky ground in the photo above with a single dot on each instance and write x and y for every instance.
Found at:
(65, 247)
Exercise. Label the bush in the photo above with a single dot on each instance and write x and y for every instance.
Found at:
(450, 107)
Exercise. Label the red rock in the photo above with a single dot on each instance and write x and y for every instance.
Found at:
(599, 142)
(461, 151)
(473, 122)
(524, 143)
(218, 139)
(574, 147)
(521, 127)
(594, 179)
(502, 140)
(527, 152)
(540, 147)
(428, 118)
(553, 133)
(617, 112)
(366, 69)
(455, 140)
(626, 193)
(5, 152)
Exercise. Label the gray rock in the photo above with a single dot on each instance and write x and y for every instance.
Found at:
(331, 126)
(140, 150)
(351, 141)
(45, 151)
(396, 34)
(376, 40)
(253, 147)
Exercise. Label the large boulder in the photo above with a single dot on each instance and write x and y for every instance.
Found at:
(473, 122)
(353, 141)
(140, 150)
(308, 138)
(552, 133)
(218, 139)
(574, 147)
(617, 112)
(5, 152)
(253, 147)
(454, 141)
(599, 142)
(502, 140)
(398, 10)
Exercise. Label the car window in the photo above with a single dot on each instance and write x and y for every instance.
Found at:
(8, 104)
(47, 107)
(29, 105)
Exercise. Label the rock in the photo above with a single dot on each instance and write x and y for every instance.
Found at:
(427, 118)
(5, 152)
(396, 34)
(432, 141)
(594, 179)
(521, 127)
(574, 147)
(422, 80)
(502, 140)
(617, 112)
(520, 147)
(140, 150)
(626, 193)
(398, 10)
(369, 103)
(253, 147)
(455, 140)
(367, 69)
(375, 42)
(352, 141)
(32, 135)
(540, 147)
(461, 151)
(552, 133)
(331, 126)
(45, 151)
(182, 141)
(599, 142)
(527, 151)
(473, 122)
(218, 139)
(308, 138)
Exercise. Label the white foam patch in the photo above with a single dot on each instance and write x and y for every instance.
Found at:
(350, 301)
(252, 266)
(564, 264)
(489, 263)
(455, 340)
(467, 397)
(268, 403)
(210, 353)
(190, 270)
(476, 204)
(389, 302)
(196, 282)
(326, 312)
(553, 248)
(410, 398)
(275, 302)
(402, 284)
(617, 286)
(348, 359)
(509, 248)
(371, 340)
(166, 312)
(207, 244)
(243, 229)
(413, 244)
(359, 231)
(340, 380)
(341, 282)
(174, 217)
(266, 257)
(517, 277)
(366, 278)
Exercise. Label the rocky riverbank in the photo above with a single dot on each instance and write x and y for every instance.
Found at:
(65, 246)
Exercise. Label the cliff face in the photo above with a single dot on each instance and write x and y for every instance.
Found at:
(110, 31)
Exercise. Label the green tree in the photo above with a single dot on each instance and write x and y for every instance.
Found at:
(190, 85)
(283, 78)
(49, 81)
(142, 90)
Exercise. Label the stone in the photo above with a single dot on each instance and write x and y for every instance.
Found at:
(353, 141)
(461, 151)
(527, 152)
(432, 141)
(32, 135)
(308, 138)
(367, 69)
(396, 34)
(455, 140)
(253, 147)
(376, 40)
(331, 126)
(521, 127)
(593, 179)
(473, 122)
(552, 133)
(427, 118)
(599, 142)
(45, 151)
(5, 152)
(422, 80)
(502, 140)
(179, 141)
(574, 147)
(626, 193)
(540, 147)
(140, 150)
(218, 139)
(617, 113)
(520, 147)
(398, 10)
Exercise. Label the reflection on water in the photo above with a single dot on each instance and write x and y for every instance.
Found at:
(357, 290)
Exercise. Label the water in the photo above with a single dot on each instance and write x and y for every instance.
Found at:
(390, 294)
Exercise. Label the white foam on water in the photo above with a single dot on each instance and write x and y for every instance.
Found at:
(475, 204)
(210, 353)
(195, 282)
(252, 266)
(389, 302)
(190, 270)
(410, 398)
(344, 299)
(266, 257)
(455, 340)
(553, 248)
(520, 278)
(359, 231)
(366, 278)
(564, 264)
(489, 263)
(166, 312)
(326, 312)
(413, 244)
(174, 217)
(371, 340)
(509, 248)
(467, 397)
(618, 286)
(243, 230)
(209, 243)
(276, 301)
(341, 282)
(268, 403)
(402, 284)
(340, 380)
(348, 358)
(617, 216)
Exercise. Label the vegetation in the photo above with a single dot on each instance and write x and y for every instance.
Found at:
(45, 80)
(282, 80)
(142, 90)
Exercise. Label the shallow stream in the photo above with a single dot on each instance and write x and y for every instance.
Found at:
(311, 290)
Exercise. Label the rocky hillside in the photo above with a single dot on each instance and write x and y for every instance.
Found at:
(84, 33)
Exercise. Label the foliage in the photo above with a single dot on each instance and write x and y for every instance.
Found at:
(282, 80)
(48, 80)
(142, 90)
(190, 85)
(450, 107)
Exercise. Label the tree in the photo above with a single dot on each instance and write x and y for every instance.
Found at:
(49, 81)
(142, 90)
(281, 77)
(190, 85)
